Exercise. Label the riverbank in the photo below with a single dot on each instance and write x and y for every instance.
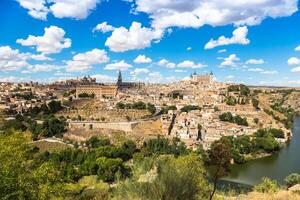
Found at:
(276, 166)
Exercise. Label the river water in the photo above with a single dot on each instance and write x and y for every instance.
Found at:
(277, 166)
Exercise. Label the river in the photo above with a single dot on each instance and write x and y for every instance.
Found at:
(277, 166)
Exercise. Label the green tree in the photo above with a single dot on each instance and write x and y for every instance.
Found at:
(267, 186)
(53, 127)
(292, 179)
(255, 103)
(20, 177)
(95, 142)
(151, 108)
(54, 106)
(166, 178)
(219, 156)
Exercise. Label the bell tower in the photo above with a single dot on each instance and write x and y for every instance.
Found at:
(119, 82)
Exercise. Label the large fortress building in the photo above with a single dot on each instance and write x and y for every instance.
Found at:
(90, 87)
(100, 91)
(204, 79)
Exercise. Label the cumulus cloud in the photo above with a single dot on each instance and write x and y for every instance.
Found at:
(142, 59)
(154, 77)
(255, 70)
(269, 72)
(102, 78)
(222, 51)
(196, 13)
(83, 61)
(36, 8)
(12, 59)
(180, 71)
(297, 48)
(293, 61)
(121, 65)
(136, 37)
(12, 79)
(53, 41)
(189, 48)
(104, 28)
(262, 71)
(190, 64)
(166, 63)
(138, 71)
(59, 8)
(41, 68)
(230, 60)
(239, 36)
(296, 69)
(40, 57)
(255, 62)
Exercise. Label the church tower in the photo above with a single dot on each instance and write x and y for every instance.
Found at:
(119, 82)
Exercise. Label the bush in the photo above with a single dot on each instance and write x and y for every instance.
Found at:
(188, 108)
(267, 186)
(166, 178)
(292, 179)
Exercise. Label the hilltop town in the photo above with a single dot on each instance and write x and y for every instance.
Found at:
(197, 110)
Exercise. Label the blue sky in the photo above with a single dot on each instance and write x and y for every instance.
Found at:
(254, 42)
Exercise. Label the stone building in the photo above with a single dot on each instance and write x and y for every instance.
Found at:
(203, 79)
(127, 85)
(100, 91)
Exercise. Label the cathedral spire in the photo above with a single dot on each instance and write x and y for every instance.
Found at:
(119, 82)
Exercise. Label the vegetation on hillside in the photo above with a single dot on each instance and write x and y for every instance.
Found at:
(228, 117)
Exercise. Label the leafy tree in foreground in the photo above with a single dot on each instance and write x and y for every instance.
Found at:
(219, 156)
(267, 186)
(292, 179)
(166, 178)
(20, 178)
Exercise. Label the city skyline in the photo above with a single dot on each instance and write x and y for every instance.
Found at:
(255, 43)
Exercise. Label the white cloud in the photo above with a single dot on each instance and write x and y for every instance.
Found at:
(239, 36)
(196, 13)
(222, 51)
(296, 69)
(73, 8)
(36, 8)
(262, 71)
(59, 73)
(136, 37)
(154, 77)
(41, 68)
(180, 71)
(230, 60)
(189, 48)
(166, 63)
(297, 48)
(122, 65)
(255, 62)
(142, 59)
(104, 28)
(269, 72)
(190, 64)
(12, 79)
(52, 41)
(102, 78)
(12, 59)
(255, 70)
(83, 61)
(77, 9)
(40, 57)
(230, 77)
(293, 61)
(138, 71)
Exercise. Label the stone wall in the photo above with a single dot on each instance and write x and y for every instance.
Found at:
(121, 126)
